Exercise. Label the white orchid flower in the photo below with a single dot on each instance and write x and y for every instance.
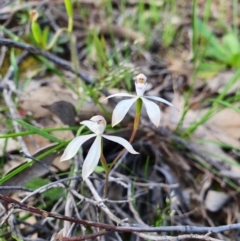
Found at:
(96, 124)
(123, 106)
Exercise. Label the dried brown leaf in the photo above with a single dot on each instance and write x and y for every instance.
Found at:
(216, 200)
(35, 170)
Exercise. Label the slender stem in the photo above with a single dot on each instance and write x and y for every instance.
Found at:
(103, 160)
(105, 190)
(55, 38)
(107, 170)
(104, 163)
(136, 120)
(135, 128)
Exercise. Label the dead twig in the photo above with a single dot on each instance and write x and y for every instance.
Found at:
(101, 204)
(59, 237)
(51, 57)
(177, 238)
(126, 229)
(19, 188)
(70, 202)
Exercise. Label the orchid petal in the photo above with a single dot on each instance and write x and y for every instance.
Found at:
(122, 142)
(120, 94)
(92, 158)
(93, 126)
(121, 110)
(159, 99)
(74, 145)
(153, 111)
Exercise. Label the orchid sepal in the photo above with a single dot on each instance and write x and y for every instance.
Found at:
(122, 142)
(74, 145)
(92, 158)
(153, 111)
(121, 110)
(159, 99)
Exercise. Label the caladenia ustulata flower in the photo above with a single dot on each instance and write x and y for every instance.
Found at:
(97, 125)
(123, 106)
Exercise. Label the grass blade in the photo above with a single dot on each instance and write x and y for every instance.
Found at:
(38, 131)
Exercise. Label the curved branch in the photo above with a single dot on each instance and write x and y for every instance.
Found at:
(126, 229)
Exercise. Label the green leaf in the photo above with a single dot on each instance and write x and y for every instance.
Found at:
(209, 69)
(80, 130)
(214, 108)
(210, 52)
(52, 194)
(45, 36)
(231, 43)
(69, 8)
(234, 60)
(228, 86)
(27, 164)
(36, 183)
(15, 66)
(38, 131)
(16, 238)
(205, 33)
(26, 133)
(37, 32)
(227, 104)
(99, 169)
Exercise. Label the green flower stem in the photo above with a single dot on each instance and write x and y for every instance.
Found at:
(107, 170)
(139, 106)
(70, 25)
(136, 119)
(104, 163)
(135, 128)
(105, 190)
